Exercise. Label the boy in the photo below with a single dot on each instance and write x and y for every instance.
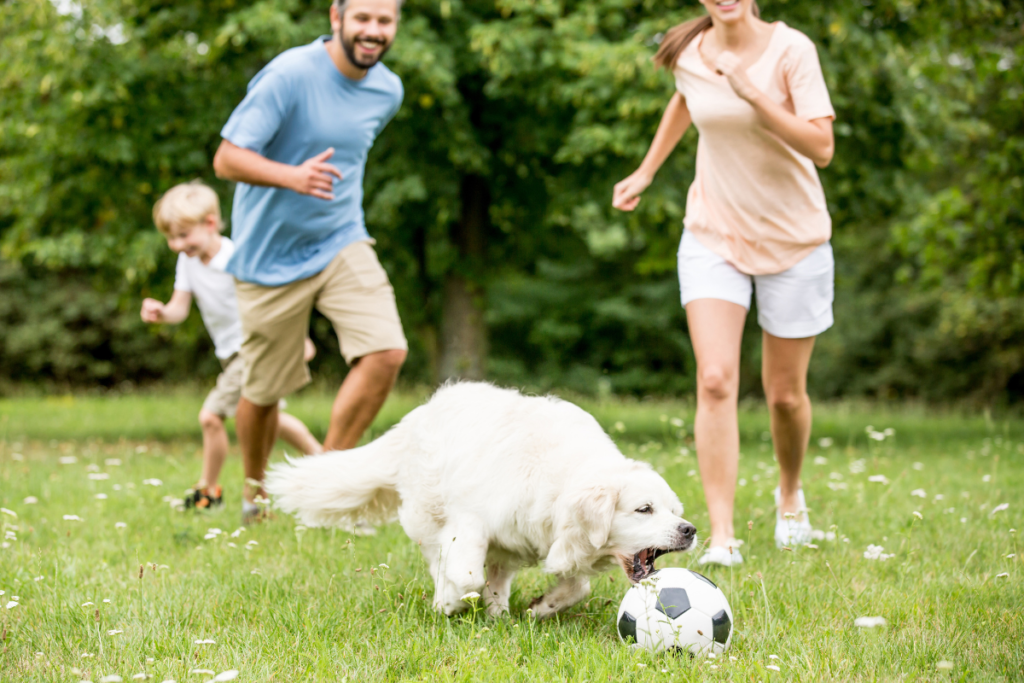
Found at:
(188, 215)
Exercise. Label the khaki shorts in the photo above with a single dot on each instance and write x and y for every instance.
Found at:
(223, 398)
(353, 292)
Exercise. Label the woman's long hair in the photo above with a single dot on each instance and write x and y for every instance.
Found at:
(678, 37)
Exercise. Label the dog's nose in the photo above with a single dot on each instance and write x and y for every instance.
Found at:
(687, 531)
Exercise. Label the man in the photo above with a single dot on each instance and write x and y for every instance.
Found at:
(297, 145)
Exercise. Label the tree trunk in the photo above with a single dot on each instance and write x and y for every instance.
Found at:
(463, 333)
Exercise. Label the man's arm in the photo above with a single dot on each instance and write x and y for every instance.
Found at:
(173, 312)
(311, 177)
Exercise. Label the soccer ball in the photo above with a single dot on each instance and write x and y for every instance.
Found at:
(676, 609)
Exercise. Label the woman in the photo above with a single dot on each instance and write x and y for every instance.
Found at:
(755, 219)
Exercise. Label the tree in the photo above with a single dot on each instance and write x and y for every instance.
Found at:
(489, 194)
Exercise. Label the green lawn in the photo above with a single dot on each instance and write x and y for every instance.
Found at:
(97, 599)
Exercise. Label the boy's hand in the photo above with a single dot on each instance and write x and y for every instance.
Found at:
(152, 311)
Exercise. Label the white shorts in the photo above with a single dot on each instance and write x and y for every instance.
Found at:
(793, 304)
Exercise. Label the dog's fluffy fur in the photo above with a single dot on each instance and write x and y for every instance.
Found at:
(487, 481)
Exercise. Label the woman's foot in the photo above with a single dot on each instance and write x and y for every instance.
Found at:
(792, 529)
(721, 555)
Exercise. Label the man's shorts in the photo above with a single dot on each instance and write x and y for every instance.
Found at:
(793, 304)
(223, 398)
(353, 292)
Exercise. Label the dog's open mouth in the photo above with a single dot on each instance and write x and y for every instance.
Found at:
(641, 565)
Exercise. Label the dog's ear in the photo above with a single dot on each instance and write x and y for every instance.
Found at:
(583, 522)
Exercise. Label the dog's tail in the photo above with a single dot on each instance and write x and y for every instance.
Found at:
(341, 488)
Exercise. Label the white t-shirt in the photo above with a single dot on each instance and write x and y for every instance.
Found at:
(214, 292)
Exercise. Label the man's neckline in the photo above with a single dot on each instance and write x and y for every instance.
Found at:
(330, 58)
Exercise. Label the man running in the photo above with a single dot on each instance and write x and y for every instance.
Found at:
(297, 146)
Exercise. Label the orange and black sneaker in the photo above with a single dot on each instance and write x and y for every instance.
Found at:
(203, 498)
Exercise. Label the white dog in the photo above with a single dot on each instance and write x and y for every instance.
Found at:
(487, 481)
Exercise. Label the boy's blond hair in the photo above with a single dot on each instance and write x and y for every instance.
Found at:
(186, 204)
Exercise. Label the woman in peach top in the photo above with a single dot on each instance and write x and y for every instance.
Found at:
(756, 219)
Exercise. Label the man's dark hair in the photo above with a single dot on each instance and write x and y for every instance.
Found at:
(343, 4)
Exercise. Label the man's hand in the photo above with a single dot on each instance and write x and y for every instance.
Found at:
(728, 64)
(152, 311)
(313, 176)
(626, 194)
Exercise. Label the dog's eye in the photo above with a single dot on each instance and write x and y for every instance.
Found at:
(645, 510)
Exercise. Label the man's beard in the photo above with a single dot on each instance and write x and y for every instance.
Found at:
(349, 46)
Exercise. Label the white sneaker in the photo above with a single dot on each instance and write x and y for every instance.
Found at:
(727, 557)
(792, 532)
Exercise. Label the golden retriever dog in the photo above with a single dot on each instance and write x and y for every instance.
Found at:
(487, 481)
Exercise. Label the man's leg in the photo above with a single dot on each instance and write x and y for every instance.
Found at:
(274, 321)
(359, 301)
(360, 397)
(257, 428)
(295, 432)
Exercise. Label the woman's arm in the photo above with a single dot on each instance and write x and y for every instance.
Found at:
(812, 138)
(674, 123)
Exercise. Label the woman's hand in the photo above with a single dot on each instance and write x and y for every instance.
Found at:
(626, 194)
(728, 65)
(813, 138)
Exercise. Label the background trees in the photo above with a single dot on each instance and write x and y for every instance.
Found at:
(489, 193)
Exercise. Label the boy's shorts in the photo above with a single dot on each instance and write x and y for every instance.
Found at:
(223, 398)
(353, 292)
(793, 304)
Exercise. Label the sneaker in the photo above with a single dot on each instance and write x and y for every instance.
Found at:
(726, 557)
(203, 498)
(254, 513)
(792, 532)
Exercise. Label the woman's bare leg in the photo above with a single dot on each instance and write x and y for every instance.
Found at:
(784, 374)
(716, 331)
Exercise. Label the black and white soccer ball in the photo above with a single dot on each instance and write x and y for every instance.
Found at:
(676, 609)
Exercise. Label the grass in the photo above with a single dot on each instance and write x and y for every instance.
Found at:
(285, 604)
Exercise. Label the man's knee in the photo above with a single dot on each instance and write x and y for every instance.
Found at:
(389, 361)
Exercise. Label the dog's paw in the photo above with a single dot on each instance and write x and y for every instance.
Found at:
(543, 607)
(497, 611)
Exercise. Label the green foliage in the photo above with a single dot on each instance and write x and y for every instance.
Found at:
(549, 103)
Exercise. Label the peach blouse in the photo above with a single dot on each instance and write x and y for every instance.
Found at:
(755, 201)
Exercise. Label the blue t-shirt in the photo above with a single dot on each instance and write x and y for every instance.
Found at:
(296, 107)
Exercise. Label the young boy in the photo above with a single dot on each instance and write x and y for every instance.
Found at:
(188, 215)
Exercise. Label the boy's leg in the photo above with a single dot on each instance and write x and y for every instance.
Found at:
(293, 431)
(219, 405)
(355, 295)
(215, 448)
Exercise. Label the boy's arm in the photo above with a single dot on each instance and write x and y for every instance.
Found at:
(173, 312)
